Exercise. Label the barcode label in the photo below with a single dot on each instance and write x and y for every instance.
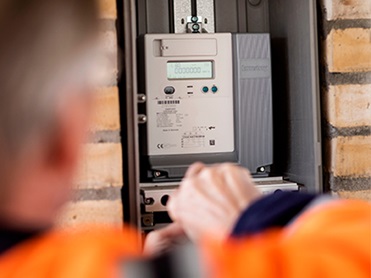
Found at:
(168, 102)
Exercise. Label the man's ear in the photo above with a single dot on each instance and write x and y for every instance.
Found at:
(70, 132)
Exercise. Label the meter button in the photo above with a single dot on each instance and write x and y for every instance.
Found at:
(214, 89)
(169, 90)
(205, 89)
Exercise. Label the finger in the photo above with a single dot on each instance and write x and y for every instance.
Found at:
(154, 244)
(172, 206)
(160, 240)
(248, 184)
(240, 184)
(194, 169)
(215, 189)
(201, 193)
(173, 230)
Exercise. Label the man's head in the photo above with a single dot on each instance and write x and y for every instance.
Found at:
(44, 104)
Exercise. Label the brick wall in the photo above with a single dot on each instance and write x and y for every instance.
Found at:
(346, 102)
(99, 179)
(346, 96)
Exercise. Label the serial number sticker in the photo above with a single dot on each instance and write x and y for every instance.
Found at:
(193, 141)
(161, 102)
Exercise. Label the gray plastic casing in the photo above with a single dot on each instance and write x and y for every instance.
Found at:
(252, 114)
(253, 93)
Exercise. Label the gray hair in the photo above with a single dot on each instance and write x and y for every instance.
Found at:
(42, 47)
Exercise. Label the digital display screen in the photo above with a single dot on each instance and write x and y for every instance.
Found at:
(190, 70)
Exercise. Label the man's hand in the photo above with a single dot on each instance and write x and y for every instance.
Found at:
(160, 241)
(211, 199)
(208, 202)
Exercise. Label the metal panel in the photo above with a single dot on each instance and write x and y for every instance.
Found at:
(142, 17)
(296, 89)
(242, 16)
(254, 99)
(295, 71)
(257, 16)
(158, 16)
(156, 195)
(226, 16)
(182, 9)
(205, 9)
(128, 98)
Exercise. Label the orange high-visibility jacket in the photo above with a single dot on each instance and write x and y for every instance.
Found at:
(89, 253)
(330, 240)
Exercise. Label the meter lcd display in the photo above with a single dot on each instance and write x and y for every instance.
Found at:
(190, 70)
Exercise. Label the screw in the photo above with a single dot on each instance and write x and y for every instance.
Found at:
(255, 2)
(147, 221)
(195, 27)
(194, 19)
(142, 98)
(142, 119)
(149, 201)
(157, 174)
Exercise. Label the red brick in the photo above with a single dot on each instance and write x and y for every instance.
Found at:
(348, 105)
(349, 50)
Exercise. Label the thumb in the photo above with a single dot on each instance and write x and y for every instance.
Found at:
(171, 206)
(160, 240)
(194, 169)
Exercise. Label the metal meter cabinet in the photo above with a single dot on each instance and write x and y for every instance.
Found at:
(292, 25)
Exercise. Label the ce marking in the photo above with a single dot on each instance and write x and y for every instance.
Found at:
(160, 146)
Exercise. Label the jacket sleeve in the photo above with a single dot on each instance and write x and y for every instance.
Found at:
(272, 211)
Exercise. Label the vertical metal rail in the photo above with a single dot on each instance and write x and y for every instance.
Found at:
(186, 8)
(182, 9)
(128, 101)
(205, 8)
(315, 80)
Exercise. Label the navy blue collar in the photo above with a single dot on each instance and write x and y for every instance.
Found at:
(10, 238)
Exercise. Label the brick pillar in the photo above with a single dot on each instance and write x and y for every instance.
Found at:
(99, 180)
(346, 96)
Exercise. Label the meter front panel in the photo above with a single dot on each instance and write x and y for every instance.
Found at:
(189, 88)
